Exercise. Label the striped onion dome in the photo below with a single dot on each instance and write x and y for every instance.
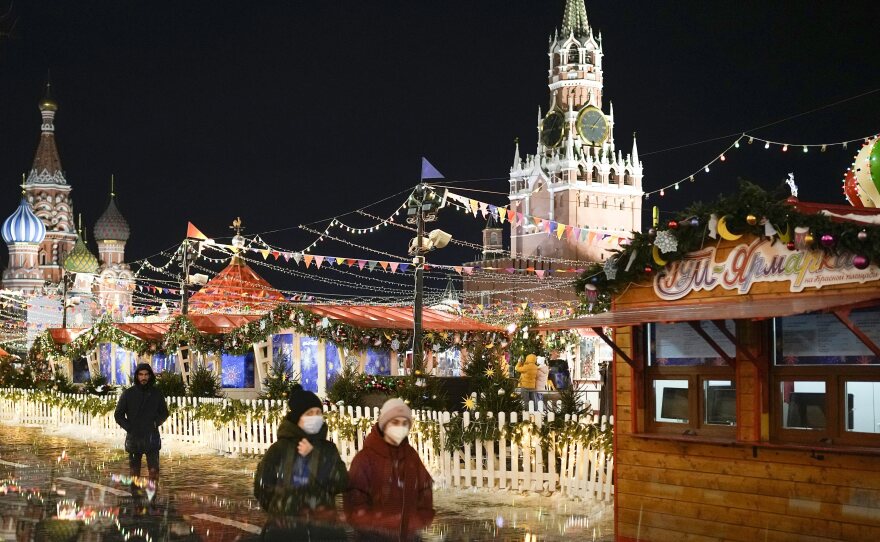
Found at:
(23, 226)
(112, 226)
(80, 259)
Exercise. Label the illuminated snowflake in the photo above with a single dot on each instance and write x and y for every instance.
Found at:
(232, 373)
(666, 241)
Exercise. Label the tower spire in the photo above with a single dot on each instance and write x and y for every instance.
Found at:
(47, 164)
(574, 20)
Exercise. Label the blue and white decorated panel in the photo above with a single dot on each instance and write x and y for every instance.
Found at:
(164, 362)
(105, 363)
(233, 373)
(282, 348)
(124, 365)
(449, 362)
(378, 362)
(309, 358)
(334, 361)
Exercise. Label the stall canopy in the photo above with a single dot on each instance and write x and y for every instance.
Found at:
(740, 308)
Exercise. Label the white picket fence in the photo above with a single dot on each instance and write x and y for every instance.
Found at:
(573, 468)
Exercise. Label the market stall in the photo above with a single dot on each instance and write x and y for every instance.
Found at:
(746, 373)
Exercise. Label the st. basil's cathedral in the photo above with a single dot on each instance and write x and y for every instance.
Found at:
(50, 263)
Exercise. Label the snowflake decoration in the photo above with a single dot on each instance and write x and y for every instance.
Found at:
(610, 268)
(469, 403)
(666, 241)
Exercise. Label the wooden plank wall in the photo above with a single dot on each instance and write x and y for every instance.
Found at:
(674, 490)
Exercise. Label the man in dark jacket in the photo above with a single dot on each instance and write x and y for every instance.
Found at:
(299, 477)
(140, 411)
(389, 497)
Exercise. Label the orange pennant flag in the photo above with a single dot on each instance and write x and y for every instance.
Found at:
(308, 258)
(193, 232)
(384, 265)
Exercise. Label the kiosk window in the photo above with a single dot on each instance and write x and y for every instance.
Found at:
(826, 381)
(690, 385)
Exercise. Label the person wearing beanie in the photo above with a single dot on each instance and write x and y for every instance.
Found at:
(297, 481)
(140, 411)
(389, 493)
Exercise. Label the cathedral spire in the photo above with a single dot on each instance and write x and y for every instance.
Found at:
(635, 152)
(517, 161)
(47, 164)
(574, 21)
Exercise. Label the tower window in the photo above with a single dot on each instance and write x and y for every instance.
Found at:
(612, 177)
(627, 178)
(596, 178)
(621, 205)
(604, 204)
(588, 58)
(574, 55)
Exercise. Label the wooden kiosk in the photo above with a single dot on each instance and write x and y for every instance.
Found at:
(747, 394)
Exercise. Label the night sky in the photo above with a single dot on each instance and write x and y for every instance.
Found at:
(291, 112)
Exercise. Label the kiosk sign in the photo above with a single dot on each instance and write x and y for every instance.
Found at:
(759, 261)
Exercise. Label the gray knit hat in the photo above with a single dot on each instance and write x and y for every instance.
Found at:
(393, 408)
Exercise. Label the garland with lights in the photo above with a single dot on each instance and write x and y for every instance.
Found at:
(751, 211)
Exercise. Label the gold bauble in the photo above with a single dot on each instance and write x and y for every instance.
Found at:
(752, 220)
(809, 239)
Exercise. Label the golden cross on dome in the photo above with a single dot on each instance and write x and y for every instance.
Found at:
(236, 225)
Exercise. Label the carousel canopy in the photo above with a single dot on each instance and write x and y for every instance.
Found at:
(236, 290)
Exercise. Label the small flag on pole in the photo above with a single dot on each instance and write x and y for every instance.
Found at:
(429, 171)
(193, 232)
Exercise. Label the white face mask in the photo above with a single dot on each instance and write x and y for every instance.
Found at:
(397, 433)
(312, 424)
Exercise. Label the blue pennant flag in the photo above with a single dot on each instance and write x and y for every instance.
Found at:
(429, 171)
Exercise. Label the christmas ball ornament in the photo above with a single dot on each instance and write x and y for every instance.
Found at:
(868, 190)
(695, 222)
(827, 240)
(863, 236)
(860, 262)
(672, 224)
(751, 220)
(809, 239)
(652, 232)
(649, 269)
(791, 245)
(851, 189)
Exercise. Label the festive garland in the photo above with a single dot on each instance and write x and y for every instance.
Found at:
(748, 212)
(240, 340)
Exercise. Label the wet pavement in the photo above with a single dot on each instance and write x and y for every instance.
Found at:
(209, 497)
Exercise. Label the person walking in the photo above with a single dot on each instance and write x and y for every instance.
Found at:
(297, 481)
(140, 411)
(389, 495)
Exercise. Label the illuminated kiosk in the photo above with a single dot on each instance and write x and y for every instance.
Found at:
(747, 385)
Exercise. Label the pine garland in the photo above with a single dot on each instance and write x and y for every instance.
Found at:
(691, 232)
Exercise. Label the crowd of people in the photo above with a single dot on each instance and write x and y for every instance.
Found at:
(387, 492)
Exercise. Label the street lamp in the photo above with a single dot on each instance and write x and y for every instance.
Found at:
(422, 206)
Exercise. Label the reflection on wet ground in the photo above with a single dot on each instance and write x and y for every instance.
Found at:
(59, 489)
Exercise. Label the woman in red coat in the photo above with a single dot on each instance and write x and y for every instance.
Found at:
(389, 493)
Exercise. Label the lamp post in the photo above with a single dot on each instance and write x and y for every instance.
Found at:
(422, 207)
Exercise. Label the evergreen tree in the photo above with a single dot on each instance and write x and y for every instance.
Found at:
(526, 339)
(279, 382)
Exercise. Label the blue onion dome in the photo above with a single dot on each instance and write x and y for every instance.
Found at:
(23, 226)
(80, 259)
(112, 226)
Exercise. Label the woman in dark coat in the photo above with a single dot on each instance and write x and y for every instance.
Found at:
(298, 479)
(389, 495)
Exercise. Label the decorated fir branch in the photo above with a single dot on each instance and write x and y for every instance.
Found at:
(751, 211)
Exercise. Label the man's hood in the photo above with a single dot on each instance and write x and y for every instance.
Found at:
(145, 367)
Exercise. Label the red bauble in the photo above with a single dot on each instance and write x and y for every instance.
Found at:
(649, 269)
(791, 245)
(672, 224)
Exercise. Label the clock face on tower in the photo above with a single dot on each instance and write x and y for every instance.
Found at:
(551, 129)
(592, 125)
